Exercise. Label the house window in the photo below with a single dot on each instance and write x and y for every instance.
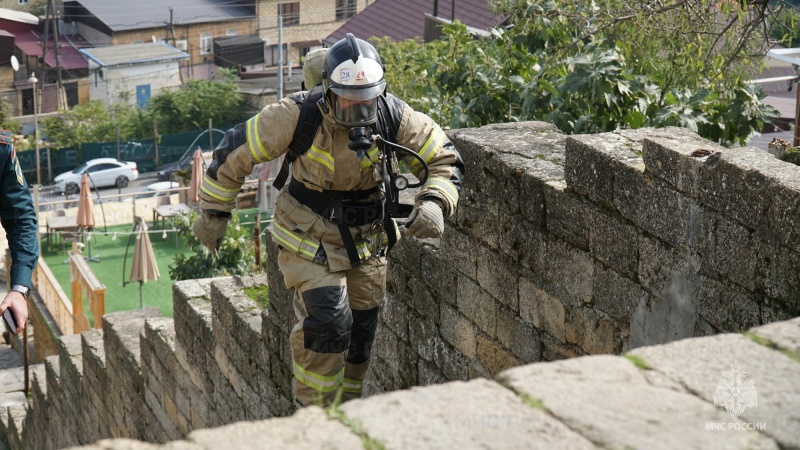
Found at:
(272, 55)
(231, 33)
(290, 13)
(205, 43)
(345, 9)
(23, 2)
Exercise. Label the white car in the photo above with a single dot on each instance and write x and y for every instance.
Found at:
(159, 189)
(102, 172)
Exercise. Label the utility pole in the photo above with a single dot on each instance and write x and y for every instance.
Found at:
(279, 86)
(170, 38)
(62, 100)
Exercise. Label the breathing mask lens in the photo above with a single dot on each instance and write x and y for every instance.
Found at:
(354, 113)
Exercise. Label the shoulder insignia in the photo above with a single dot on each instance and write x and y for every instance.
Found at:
(18, 171)
(5, 136)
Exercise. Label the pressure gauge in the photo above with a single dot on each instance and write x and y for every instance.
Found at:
(401, 182)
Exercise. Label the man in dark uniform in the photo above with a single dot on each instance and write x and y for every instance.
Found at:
(18, 217)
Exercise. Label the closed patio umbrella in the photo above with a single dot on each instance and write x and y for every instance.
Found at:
(144, 266)
(197, 176)
(85, 218)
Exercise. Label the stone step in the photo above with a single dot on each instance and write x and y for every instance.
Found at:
(7, 400)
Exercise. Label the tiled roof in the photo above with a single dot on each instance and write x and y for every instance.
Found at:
(401, 20)
(134, 54)
(140, 14)
(69, 58)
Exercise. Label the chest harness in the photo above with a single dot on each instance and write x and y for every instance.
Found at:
(352, 208)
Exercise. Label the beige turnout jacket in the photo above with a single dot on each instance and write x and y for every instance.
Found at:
(330, 165)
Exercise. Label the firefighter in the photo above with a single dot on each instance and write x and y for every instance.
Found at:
(330, 222)
(18, 217)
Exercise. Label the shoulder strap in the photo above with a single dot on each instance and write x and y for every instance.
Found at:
(307, 124)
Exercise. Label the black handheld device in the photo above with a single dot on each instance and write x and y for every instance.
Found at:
(8, 316)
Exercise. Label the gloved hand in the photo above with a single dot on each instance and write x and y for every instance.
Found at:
(426, 220)
(210, 230)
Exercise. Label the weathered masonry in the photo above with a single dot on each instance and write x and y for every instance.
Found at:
(562, 247)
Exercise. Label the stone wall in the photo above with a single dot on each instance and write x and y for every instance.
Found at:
(562, 246)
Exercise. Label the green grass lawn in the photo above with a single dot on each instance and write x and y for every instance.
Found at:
(109, 270)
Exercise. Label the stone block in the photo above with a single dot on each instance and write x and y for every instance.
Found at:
(614, 242)
(778, 275)
(711, 367)
(668, 214)
(521, 338)
(784, 335)
(615, 294)
(422, 301)
(738, 183)
(477, 305)
(424, 337)
(589, 331)
(310, 428)
(488, 416)
(184, 301)
(429, 373)
(481, 218)
(567, 272)
(541, 309)
(553, 351)
(568, 216)
(671, 159)
(524, 245)
(783, 215)
(659, 320)
(452, 364)
(602, 398)
(460, 252)
(457, 330)
(729, 251)
(727, 307)
(494, 357)
(385, 347)
(394, 315)
(496, 272)
(666, 272)
(438, 276)
(408, 371)
(407, 253)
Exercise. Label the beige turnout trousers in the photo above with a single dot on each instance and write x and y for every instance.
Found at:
(337, 315)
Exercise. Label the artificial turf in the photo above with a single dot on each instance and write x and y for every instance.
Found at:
(109, 270)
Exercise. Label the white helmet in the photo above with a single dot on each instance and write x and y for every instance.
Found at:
(353, 81)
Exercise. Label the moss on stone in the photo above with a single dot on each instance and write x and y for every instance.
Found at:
(259, 294)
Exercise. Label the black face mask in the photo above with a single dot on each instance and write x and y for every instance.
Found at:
(360, 140)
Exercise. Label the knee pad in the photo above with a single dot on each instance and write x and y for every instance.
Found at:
(327, 327)
(365, 323)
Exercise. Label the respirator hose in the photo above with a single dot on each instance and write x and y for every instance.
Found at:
(414, 154)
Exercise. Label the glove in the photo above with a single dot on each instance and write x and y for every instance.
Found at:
(210, 230)
(426, 220)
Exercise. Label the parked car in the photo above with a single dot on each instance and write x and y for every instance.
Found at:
(159, 189)
(102, 172)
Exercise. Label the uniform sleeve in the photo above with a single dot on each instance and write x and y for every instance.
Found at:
(262, 138)
(18, 218)
(420, 133)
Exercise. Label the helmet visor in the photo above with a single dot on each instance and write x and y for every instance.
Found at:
(353, 113)
(359, 93)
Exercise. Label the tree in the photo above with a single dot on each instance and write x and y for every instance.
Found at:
(236, 255)
(596, 66)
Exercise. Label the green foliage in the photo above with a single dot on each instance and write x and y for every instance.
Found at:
(175, 111)
(6, 121)
(236, 255)
(591, 67)
(37, 7)
(785, 27)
